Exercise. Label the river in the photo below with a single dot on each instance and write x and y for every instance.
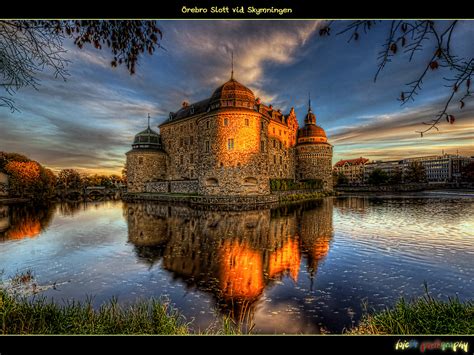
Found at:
(306, 268)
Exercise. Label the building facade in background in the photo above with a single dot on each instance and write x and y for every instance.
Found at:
(438, 168)
(352, 169)
(229, 144)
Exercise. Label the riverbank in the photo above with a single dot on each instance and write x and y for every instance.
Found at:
(425, 315)
(39, 316)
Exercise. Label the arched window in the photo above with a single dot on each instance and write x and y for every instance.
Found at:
(212, 182)
(250, 181)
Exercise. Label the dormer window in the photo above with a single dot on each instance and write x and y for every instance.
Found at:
(191, 111)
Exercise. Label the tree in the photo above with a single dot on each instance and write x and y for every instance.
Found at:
(415, 173)
(69, 179)
(27, 47)
(395, 177)
(5, 158)
(23, 176)
(377, 177)
(415, 36)
(27, 177)
(467, 173)
(341, 179)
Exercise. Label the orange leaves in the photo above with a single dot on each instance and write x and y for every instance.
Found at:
(450, 118)
(25, 171)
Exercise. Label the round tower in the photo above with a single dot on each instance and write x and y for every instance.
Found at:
(232, 144)
(146, 162)
(313, 152)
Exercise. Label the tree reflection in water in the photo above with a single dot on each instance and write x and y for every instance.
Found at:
(232, 255)
(21, 221)
(24, 221)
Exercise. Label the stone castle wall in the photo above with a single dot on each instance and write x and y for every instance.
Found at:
(231, 158)
(144, 166)
(174, 186)
(184, 186)
(281, 152)
(314, 161)
(180, 141)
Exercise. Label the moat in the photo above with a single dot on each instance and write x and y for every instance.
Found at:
(296, 269)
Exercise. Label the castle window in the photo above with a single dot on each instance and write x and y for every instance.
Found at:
(247, 122)
(273, 130)
(207, 124)
(212, 182)
(281, 159)
(207, 146)
(181, 159)
(191, 140)
(140, 160)
(262, 146)
(286, 166)
(191, 158)
(226, 121)
(250, 181)
(280, 144)
(181, 142)
(230, 144)
(274, 143)
(263, 125)
(274, 159)
(279, 132)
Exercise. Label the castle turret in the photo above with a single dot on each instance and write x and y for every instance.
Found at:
(232, 144)
(313, 152)
(146, 162)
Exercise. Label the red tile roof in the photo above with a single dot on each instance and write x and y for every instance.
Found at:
(357, 161)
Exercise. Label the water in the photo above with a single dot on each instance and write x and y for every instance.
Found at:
(302, 269)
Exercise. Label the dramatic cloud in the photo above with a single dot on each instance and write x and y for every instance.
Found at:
(88, 122)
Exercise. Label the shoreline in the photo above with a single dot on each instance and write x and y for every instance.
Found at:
(233, 203)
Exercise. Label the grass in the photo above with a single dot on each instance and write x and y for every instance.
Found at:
(424, 315)
(38, 316)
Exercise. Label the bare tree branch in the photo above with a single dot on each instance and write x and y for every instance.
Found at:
(414, 37)
(29, 47)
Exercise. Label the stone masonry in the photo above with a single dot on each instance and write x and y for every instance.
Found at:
(228, 145)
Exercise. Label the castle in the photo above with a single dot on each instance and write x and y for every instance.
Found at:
(229, 144)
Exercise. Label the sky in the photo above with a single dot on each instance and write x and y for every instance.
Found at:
(88, 122)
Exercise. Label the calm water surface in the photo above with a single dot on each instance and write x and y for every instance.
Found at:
(297, 269)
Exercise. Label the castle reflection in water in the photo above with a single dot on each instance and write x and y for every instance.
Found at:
(232, 255)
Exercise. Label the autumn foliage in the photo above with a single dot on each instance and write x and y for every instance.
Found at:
(26, 177)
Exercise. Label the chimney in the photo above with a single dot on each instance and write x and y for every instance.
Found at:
(185, 104)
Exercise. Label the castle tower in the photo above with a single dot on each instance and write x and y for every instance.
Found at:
(313, 152)
(146, 162)
(232, 140)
